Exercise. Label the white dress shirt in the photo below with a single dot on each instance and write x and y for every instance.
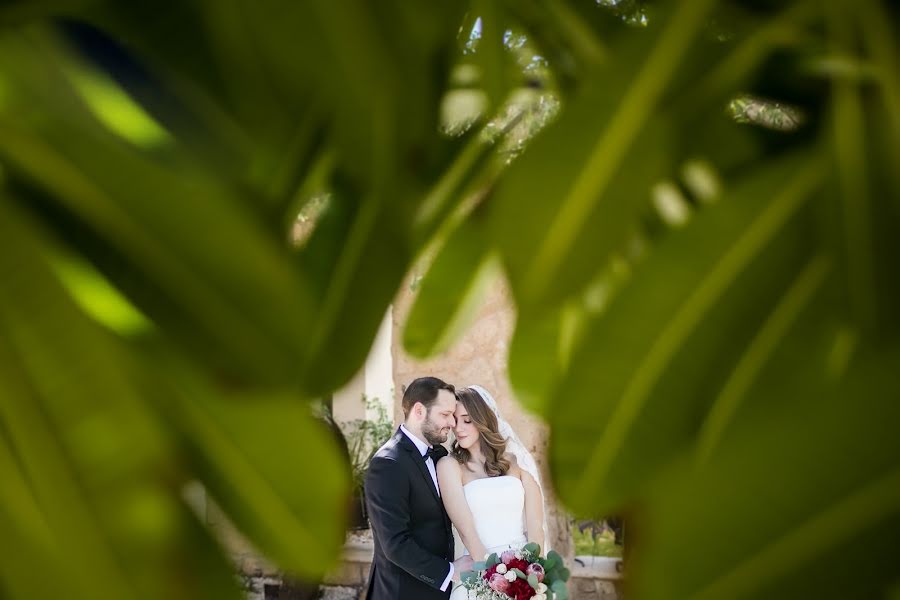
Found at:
(423, 447)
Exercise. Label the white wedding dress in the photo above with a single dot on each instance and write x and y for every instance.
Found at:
(498, 508)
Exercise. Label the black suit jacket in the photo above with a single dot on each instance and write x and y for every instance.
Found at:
(413, 538)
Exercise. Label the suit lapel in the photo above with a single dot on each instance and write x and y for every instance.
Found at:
(408, 445)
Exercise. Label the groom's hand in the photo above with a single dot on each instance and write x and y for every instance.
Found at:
(461, 565)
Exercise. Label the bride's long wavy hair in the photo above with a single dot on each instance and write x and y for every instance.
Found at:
(493, 445)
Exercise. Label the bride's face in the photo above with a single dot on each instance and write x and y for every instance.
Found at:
(466, 433)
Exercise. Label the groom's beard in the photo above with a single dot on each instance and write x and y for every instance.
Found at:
(432, 433)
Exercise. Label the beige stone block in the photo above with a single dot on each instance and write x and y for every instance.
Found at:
(348, 574)
(609, 590)
(339, 593)
(253, 564)
(589, 588)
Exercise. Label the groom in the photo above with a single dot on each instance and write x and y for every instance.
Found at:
(413, 539)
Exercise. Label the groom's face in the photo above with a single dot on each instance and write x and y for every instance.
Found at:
(439, 418)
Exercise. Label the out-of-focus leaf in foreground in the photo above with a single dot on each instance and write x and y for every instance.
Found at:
(83, 181)
(92, 480)
(445, 302)
(273, 468)
(809, 499)
(672, 332)
(588, 176)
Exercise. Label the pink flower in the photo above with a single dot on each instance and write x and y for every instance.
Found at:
(536, 570)
(498, 583)
(508, 556)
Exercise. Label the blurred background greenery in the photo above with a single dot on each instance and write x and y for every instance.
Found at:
(695, 203)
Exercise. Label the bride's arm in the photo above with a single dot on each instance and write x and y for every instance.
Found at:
(534, 505)
(450, 481)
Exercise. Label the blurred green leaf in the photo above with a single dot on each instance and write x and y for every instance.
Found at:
(759, 351)
(649, 363)
(119, 113)
(94, 456)
(553, 159)
(88, 184)
(865, 127)
(535, 357)
(451, 292)
(490, 52)
(850, 162)
(275, 470)
(97, 298)
(365, 258)
(25, 532)
(609, 124)
(562, 36)
(543, 341)
(815, 504)
(19, 12)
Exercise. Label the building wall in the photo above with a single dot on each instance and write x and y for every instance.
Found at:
(374, 380)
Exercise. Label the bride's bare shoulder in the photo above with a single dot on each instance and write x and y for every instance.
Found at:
(448, 466)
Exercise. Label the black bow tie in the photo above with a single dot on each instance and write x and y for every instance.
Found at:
(435, 452)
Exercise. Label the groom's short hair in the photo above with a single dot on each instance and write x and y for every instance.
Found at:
(424, 390)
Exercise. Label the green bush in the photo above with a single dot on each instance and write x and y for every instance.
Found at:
(601, 543)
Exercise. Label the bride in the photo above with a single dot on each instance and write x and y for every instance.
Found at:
(492, 490)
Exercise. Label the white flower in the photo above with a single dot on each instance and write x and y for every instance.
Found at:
(501, 568)
(539, 597)
(510, 576)
(519, 554)
(542, 588)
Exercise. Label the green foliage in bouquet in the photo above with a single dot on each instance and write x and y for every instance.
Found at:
(550, 578)
(555, 571)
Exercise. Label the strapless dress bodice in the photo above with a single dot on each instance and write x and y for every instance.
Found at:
(498, 508)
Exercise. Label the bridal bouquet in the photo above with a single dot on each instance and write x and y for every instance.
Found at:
(518, 575)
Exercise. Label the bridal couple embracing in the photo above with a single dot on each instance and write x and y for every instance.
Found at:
(488, 487)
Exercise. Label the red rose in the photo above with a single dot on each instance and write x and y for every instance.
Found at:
(518, 563)
(520, 590)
